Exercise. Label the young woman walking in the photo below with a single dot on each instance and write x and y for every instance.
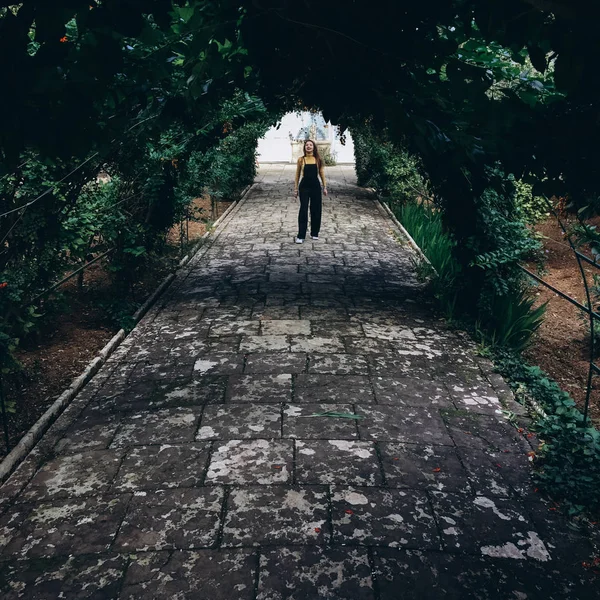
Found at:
(310, 166)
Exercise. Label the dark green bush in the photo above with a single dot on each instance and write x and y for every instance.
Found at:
(568, 458)
(396, 174)
(147, 186)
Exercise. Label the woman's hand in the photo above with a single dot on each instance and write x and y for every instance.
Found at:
(295, 193)
(325, 191)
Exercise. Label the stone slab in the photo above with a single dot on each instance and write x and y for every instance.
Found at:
(341, 462)
(457, 577)
(316, 344)
(275, 363)
(209, 389)
(498, 473)
(307, 421)
(232, 327)
(314, 572)
(285, 327)
(240, 421)
(408, 424)
(248, 462)
(423, 467)
(260, 388)
(325, 328)
(72, 526)
(411, 392)
(483, 432)
(171, 519)
(333, 388)
(191, 575)
(372, 516)
(84, 474)
(167, 426)
(74, 577)
(265, 343)
(165, 466)
(276, 515)
(494, 527)
(218, 363)
(339, 364)
(93, 432)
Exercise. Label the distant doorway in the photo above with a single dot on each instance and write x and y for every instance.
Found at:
(283, 144)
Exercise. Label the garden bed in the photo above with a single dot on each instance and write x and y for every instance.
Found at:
(561, 345)
(70, 339)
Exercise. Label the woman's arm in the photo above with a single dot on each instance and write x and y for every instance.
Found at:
(322, 174)
(298, 173)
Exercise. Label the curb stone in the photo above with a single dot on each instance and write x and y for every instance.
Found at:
(49, 421)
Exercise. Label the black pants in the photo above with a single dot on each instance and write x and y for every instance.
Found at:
(309, 195)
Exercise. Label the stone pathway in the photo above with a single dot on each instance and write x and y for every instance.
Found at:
(289, 422)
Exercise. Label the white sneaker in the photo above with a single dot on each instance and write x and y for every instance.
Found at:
(299, 241)
(314, 237)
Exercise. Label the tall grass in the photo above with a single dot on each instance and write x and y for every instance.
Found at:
(514, 321)
(510, 319)
(424, 223)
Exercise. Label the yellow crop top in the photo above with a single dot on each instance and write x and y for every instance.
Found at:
(310, 160)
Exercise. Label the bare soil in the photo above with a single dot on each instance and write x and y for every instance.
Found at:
(561, 346)
(73, 336)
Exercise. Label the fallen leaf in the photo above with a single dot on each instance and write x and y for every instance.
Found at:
(437, 470)
(337, 415)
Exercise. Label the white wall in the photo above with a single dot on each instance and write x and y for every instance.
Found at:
(275, 145)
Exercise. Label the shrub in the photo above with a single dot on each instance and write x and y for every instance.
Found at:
(568, 457)
(532, 209)
(396, 174)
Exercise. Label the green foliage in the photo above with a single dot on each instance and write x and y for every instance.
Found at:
(483, 282)
(500, 240)
(328, 158)
(395, 173)
(424, 224)
(568, 459)
(146, 187)
(532, 209)
(511, 320)
(120, 311)
(227, 168)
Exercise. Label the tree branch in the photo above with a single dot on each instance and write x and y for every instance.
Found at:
(557, 7)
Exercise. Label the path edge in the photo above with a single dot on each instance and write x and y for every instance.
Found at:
(383, 206)
(486, 366)
(26, 444)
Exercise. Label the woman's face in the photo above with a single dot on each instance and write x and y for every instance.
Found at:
(309, 147)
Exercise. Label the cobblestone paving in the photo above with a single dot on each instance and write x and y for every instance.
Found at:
(290, 421)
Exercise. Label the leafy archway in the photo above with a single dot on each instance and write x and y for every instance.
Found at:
(478, 89)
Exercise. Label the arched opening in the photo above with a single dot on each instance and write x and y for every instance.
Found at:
(282, 142)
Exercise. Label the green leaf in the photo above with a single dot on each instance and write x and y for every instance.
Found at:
(337, 415)
(185, 13)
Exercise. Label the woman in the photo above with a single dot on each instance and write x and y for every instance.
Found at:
(310, 166)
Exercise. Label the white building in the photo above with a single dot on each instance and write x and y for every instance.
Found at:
(276, 145)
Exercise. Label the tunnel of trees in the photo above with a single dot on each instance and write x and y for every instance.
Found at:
(168, 97)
